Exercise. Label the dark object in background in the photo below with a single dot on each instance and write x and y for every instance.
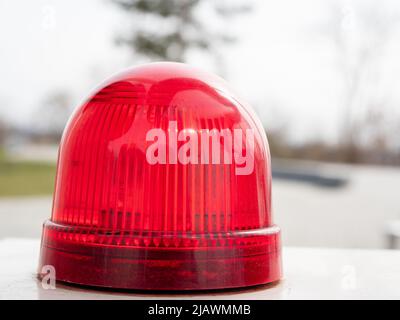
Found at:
(307, 173)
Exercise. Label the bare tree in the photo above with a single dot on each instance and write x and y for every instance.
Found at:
(360, 35)
(52, 115)
(3, 133)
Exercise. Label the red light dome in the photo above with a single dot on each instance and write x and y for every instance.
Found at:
(163, 183)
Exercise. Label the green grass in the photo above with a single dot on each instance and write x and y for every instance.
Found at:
(25, 178)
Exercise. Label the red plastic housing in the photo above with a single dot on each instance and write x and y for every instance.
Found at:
(122, 219)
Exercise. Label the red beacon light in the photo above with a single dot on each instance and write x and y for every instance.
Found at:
(163, 183)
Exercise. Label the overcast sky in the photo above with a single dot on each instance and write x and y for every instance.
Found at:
(283, 63)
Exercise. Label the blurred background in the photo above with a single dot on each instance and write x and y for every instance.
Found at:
(323, 76)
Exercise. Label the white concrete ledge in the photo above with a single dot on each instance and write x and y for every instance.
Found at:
(309, 274)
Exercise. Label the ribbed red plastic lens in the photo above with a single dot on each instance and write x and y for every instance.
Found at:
(171, 220)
